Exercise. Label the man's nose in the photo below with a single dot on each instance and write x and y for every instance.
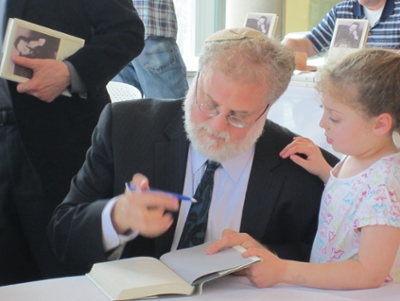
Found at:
(219, 123)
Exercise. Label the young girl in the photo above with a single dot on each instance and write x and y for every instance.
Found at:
(358, 236)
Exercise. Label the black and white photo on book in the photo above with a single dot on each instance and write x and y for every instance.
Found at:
(349, 36)
(264, 22)
(33, 41)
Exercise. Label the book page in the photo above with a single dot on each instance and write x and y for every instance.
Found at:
(137, 277)
(193, 263)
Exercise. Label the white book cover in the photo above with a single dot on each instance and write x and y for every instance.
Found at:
(349, 35)
(34, 41)
(264, 22)
(181, 272)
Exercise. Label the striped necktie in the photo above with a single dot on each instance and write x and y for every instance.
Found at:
(194, 231)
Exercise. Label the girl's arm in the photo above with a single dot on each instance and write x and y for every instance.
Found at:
(314, 162)
(377, 252)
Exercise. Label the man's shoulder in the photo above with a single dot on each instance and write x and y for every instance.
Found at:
(147, 107)
(276, 137)
(279, 134)
(145, 114)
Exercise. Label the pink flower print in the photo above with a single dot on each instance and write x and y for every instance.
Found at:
(356, 224)
(389, 279)
(328, 199)
(367, 191)
(388, 167)
(323, 231)
(328, 218)
(395, 211)
(336, 254)
(332, 236)
(380, 193)
(392, 195)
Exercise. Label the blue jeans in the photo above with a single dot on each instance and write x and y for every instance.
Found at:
(159, 71)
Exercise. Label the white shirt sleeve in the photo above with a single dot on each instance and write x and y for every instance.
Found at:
(111, 239)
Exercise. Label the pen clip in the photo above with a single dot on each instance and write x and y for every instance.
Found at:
(177, 195)
(131, 188)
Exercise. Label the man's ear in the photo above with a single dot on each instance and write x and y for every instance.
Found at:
(383, 124)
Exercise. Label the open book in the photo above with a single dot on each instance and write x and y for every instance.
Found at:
(33, 41)
(349, 35)
(264, 22)
(181, 272)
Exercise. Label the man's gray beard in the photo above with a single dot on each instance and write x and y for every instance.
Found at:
(206, 146)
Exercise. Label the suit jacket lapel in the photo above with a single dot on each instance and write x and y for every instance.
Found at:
(263, 187)
(170, 166)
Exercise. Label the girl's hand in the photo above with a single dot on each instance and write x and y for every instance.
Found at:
(264, 274)
(313, 160)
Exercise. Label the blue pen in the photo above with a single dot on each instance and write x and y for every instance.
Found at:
(177, 195)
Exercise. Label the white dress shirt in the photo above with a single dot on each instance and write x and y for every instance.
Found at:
(230, 186)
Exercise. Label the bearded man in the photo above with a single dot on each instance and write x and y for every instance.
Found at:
(168, 144)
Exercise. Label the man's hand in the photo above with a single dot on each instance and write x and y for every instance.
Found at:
(143, 211)
(50, 78)
(264, 274)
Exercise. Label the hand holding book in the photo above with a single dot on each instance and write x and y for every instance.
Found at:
(181, 272)
(37, 51)
(50, 78)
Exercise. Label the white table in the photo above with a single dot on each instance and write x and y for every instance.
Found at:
(227, 288)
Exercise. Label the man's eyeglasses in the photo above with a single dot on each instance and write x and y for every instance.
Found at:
(212, 111)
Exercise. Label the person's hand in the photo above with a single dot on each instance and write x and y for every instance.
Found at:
(313, 162)
(143, 211)
(264, 274)
(50, 78)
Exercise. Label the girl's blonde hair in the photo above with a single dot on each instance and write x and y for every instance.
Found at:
(372, 76)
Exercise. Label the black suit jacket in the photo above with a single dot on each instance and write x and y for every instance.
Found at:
(147, 136)
(57, 135)
(113, 35)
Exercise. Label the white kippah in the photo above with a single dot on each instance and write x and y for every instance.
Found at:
(236, 34)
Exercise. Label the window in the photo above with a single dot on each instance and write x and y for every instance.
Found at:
(196, 21)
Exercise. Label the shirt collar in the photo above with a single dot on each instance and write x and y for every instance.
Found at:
(358, 9)
(234, 167)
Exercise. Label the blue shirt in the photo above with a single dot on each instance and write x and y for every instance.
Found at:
(385, 33)
(158, 17)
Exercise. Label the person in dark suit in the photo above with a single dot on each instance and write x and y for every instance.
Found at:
(166, 145)
(44, 135)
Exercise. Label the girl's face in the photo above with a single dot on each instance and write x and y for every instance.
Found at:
(345, 128)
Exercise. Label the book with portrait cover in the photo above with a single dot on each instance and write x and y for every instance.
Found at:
(33, 41)
(349, 35)
(264, 22)
(180, 272)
